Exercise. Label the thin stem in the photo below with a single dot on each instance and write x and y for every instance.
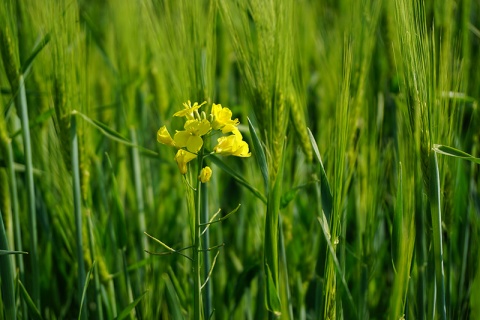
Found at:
(78, 210)
(206, 254)
(96, 276)
(6, 272)
(436, 213)
(284, 267)
(16, 218)
(137, 176)
(30, 191)
(197, 304)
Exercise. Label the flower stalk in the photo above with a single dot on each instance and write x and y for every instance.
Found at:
(190, 145)
(197, 247)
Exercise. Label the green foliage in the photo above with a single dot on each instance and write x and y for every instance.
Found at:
(370, 213)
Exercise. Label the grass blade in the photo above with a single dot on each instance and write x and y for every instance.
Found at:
(77, 206)
(259, 153)
(40, 45)
(222, 165)
(34, 313)
(128, 309)
(273, 301)
(22, 99)
(85, 287)
(338, 268)
(112, 134)
(452, 152)
(6, 273)
(326, 191)
(7, 252)
(435, 206)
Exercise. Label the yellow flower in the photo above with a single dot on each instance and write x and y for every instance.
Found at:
(163, 136)
(182, 158)
(189, 109)
(232, 145)
(222, 119)
(205, 174)
(191, 136)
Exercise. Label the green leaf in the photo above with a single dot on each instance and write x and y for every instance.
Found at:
(174, 305)
(222, 165)
(112, 134)
(244, 281)
(326, 191)
(452, 152)
(118, 212)
(37, 121)
(6, 276)
(397, 236)
(85, 287)
(126, 312)
(436, 214)
(458, 96)
(326, 232)
(273, 301)
(5, 252)
(30, 304)
(40, 45)
(287, 197)
(259, 153)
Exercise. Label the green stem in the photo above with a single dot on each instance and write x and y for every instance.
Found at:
(96, 276)
(421, 253)
(30, 191)
(436, 214)
(137, 176)
(78, 210)
(197, 292)
(16, 218)
(284, 265)
(206, 254)
(6, 274)
(271, 249)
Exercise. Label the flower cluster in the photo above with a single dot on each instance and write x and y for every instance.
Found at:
(197, 126)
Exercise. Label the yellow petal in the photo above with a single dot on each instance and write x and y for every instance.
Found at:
(194, 143)
(163, 136)
(203, 127)
(189, 109)
(197, 127)
(181, 138)
(182, 158)
(232, 145)
(205, 174)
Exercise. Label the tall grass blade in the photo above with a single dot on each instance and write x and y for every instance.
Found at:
(452, 152)
(34, 313)
(338, 268)
(131, 306)
(235, 175)
(326, 191)
(259, 153)
(84, 293)
(77, 209)
(436, 213)
(36, 50)
(6, 275)
(172, 298)
(272, 300)
(22, 99)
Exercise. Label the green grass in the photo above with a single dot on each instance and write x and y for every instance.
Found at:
(361, 198)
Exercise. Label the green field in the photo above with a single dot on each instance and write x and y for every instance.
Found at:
(342, 139)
